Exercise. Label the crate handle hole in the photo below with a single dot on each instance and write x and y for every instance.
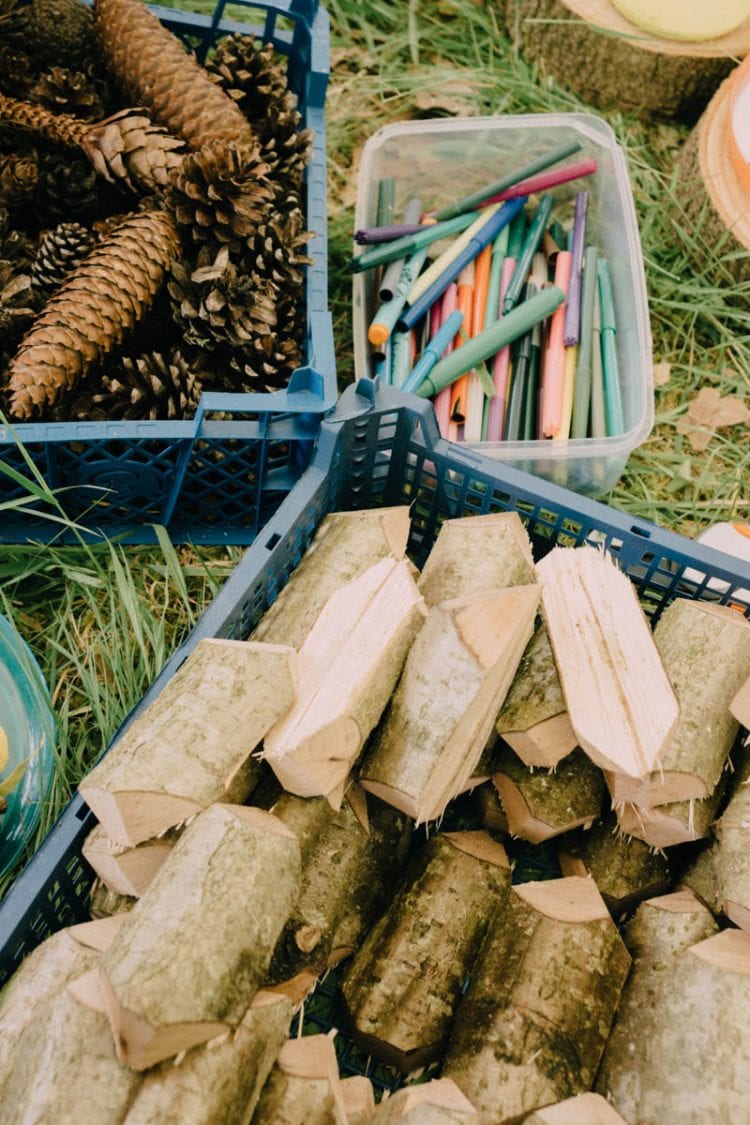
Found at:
(271, 543)
(643, 532)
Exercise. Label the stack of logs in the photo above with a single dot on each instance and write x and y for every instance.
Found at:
(256, 830)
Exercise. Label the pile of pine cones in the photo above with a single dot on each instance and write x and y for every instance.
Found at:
(152, 234)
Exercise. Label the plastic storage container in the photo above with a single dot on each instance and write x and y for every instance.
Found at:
(380, 447)
(440, 161)
(208, 480)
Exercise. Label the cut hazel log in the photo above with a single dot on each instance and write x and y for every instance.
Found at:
(348, 667)
(534, 718)
(348, 869)
(584, 1109)
(359, 1099)
(303, 1087)
(439, 1102)
(740, 705)
(345, 545)
(441, 715)
(217, 1082)
(625, 870)
(532, 1025)
(620, 702)
(665, 826)
(105, 903)
(192, 745)
(541, 804)
(401, 987)
(492, 815)
(686, 1002)
(730, 855)
(705, 650)
(474, 554)
(126, 871)
(186, 963)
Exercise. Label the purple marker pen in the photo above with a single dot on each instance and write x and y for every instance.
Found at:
(571, 327)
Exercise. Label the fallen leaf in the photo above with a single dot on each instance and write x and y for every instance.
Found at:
(455, 98)
(662, 373)
(709, 412)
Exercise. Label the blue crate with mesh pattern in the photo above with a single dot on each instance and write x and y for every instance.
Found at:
(213, 478)
(379, 448)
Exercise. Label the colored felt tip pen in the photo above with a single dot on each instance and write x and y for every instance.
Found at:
(598, 412)
(553, 377)
(439, 265)
(579, 426)
(368, 236)
(488, 232)
(509, 180)
(545, 181)
(502, 332)
(523, 265)
(433, 351)
(388, 313)
(410, 243)
(572, 324)
(612, 392)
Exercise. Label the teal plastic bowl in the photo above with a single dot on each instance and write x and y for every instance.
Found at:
(27, 720)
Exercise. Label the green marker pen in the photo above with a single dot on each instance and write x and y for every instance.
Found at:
(537, 228)
(612, 392)
(579, 425)
(410, 243)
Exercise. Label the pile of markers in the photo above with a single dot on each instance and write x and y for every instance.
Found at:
(509, 327)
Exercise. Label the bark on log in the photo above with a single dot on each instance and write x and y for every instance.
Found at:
(105, 903)
(192, 746)
(700, 878)
(303, 1087)
(665, 826)
(731, 854)
(455, 678)
(185, 965)
(345, 545)
(542, 804)
(740, 705)
(41, 975)
(347, 873)
(629, 71)
(705, 650)
(685, 1003)
(625, 870)
(439, 1102)
(492, 815)
(126, 871)
(584, 1109)
(66, 1069)
(533, 1023)
(348, 667)
(220, 1082)
(403, 984)
(620, 702)
(359, 1099)
(476, 554)
(534, 718)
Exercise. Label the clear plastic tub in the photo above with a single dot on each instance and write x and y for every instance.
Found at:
(440, 161)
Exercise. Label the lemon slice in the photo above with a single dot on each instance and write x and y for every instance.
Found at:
(691, 20)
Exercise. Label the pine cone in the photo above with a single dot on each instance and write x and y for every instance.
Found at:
(57, 128)
(128, 147)
(218, 305)
(276, 252)
(91, 313)
(60, 251)
(53, 32)
(219, 195)
(251, 75)
(155, 71)
(16, 313)
(15, 247)
(69, 188)
(19, 175)
(286, 150)
(69, 91)
(17, 73)
(150, 386)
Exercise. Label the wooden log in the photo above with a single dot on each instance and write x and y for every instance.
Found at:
(438, 1102)
(740, 705)
(359, 1099)
(542, 804)
(476, 554)
(348, 870)
(345, 545)
(700, 878)
(217, 1082)
(731, 854)
(492, 815)
(584, 1109)
(303, 1087)
(684, 1004)
(705, 650)
(532, 1025)
(348, 667)
(534, 718)
(186, 963)
(620, 702)
(126, 871)
(105, 903)
(401, 987)
(66, 1069)
(665, 826)
(588, 46)
(455, 678)
(625, 870)
(41, 975)
(192, 746)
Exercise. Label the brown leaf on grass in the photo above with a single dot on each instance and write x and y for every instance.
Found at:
(662, 373)
(455, 98)
(353, 59)
(709, 412)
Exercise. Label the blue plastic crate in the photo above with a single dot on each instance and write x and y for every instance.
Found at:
(207, 480)
(380, 447)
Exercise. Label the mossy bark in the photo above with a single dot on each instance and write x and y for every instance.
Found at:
(731, 854)
(403, 984)
(534, 1020)
(542, 804)
(612, 71)
(185, 965)
(347, 873)
(625, 870)
(345, 545)
(665, 826)
(217, 1083)
(475, 554)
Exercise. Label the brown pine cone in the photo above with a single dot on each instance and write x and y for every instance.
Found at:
(60, 251)
(16, 313)
(128, 147)
(15, 246)
(57, 128)
(218, 305)
(69, 188)
(19, 176)
(276, 251)
(150, 386)
(251, 74)
(68, 91)
(52, 32)
(17, 72)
